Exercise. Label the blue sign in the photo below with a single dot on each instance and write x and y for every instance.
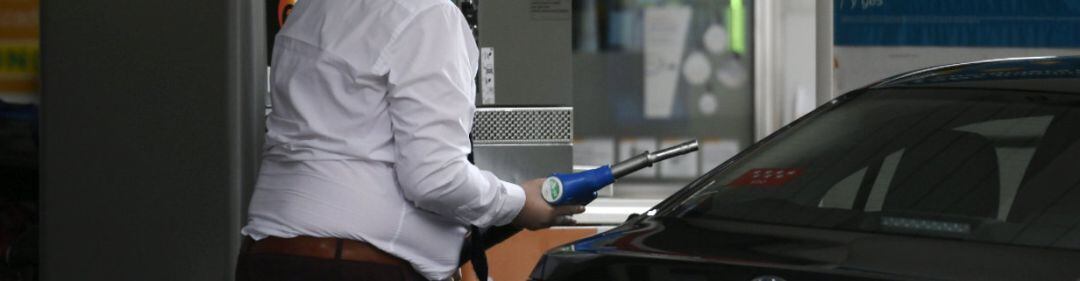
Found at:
(969, 23)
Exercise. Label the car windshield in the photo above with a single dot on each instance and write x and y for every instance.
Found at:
(972, 164)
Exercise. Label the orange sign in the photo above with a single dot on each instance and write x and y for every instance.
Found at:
(19, 52)
(284, 9)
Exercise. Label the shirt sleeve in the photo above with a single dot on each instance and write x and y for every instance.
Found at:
(431, 93)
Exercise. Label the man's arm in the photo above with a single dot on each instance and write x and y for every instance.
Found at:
(430, 77)
(431, 85)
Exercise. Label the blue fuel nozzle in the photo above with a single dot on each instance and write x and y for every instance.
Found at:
(580, 188)
(576, 188)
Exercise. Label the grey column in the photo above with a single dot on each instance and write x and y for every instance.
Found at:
(151, 117)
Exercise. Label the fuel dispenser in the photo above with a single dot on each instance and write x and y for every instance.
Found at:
(523, 127)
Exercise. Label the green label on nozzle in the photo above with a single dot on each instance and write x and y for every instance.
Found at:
(551, 190)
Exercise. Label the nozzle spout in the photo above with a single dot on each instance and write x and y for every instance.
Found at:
(647, 159)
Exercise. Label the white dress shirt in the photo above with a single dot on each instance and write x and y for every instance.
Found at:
(368, 138)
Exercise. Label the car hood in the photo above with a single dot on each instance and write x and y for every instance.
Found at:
(651, 248)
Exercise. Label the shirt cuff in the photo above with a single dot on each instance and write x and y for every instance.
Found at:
(512, 205)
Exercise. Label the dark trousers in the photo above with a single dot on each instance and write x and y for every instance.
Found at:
(276, 267)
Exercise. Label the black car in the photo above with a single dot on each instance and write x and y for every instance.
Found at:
(960, 172)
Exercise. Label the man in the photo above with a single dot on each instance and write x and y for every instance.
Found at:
(364, 174)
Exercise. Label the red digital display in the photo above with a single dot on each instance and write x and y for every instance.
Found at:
(767, 177)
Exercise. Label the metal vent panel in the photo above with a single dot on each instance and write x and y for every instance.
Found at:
(523, 125)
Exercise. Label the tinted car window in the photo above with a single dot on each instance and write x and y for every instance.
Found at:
(984, 165)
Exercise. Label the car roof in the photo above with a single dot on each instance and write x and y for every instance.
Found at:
(1042, 74)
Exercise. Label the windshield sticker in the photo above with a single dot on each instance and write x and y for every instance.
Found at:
(767, 177)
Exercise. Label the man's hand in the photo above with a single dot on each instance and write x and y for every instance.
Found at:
(537, 214)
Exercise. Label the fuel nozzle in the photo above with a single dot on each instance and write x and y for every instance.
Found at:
(580, 188)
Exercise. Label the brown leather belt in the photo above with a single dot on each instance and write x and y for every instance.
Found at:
(324, 248)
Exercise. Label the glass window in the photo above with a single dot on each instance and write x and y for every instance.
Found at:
(982, 165)
(649, 73)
